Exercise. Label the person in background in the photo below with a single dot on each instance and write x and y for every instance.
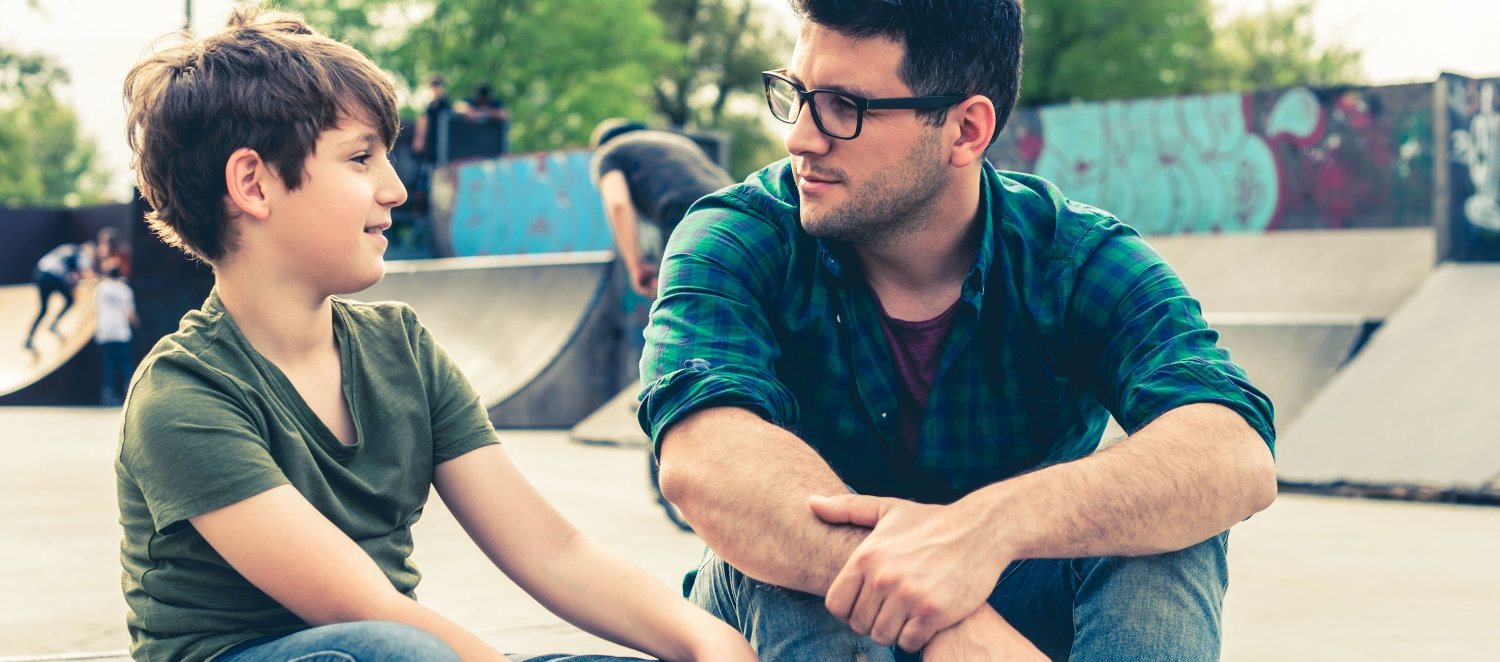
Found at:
(425, 143)
(647, 180)
(58, 272)
(114, 317)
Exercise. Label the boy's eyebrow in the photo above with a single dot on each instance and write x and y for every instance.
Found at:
(366, 138)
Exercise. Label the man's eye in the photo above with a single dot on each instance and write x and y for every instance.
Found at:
(842, 106)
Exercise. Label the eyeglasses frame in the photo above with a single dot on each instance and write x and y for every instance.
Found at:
(861, 104)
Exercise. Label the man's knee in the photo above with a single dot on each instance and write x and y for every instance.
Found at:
(780, 623)
(1170, 603)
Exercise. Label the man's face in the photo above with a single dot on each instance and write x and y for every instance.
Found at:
(879, 185)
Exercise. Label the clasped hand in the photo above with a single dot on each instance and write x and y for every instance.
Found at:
(922, 568)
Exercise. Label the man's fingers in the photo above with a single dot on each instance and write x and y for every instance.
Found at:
(842, 594)
(889, 623)
(866, 609)
(914, 635)
(855, 509)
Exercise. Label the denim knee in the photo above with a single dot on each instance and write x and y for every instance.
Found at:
(1159, 607)
(363, 641)
(781, 624)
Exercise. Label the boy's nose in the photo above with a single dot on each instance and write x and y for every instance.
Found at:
(392, 192)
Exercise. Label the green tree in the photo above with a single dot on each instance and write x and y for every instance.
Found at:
(714, 82)
(1276, 48)
(1110, 49)
(1107, 49)
(44, 160)
(560, 65)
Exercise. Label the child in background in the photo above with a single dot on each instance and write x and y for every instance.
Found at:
(114, 315)
(278, 447)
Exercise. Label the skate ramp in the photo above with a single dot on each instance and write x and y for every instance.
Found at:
(1362, 273)
(1416, 406)
(533, 333)
(1290, 357)
(54, 373)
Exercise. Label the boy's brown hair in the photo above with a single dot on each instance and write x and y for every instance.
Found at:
(267, 82)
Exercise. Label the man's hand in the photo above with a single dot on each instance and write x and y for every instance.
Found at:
(984, 635)
(922, 569)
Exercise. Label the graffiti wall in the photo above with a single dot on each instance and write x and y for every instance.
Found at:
(526, 203)
(1472, 200)
(1281, 159)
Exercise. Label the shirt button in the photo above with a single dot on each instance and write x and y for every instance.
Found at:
(882, 414)
(838, 319)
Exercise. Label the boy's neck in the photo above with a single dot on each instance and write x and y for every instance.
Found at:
(285, 322)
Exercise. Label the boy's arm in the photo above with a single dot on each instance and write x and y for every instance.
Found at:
(289, 550)
(570, 574)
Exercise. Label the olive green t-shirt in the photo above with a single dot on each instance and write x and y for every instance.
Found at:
(211, 422)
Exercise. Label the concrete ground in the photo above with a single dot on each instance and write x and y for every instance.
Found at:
(1313, 578)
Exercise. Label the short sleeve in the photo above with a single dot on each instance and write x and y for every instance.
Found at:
(709, 342)
(1148, 348)
(191, 445)
(460, 423)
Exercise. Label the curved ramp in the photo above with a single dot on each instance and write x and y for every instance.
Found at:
(1417, 405)
(535, 334)
(54, 373)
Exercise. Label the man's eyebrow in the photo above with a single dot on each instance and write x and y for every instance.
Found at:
(846, 89)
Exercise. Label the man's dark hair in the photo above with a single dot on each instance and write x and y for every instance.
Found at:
(952, 46)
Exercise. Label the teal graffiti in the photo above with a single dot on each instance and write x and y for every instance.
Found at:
(527, 203)
(1170, 165)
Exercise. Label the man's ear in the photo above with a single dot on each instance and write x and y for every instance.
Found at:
(247, 177)
(975, 119)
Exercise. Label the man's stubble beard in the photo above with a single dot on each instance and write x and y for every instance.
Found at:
(887, 205)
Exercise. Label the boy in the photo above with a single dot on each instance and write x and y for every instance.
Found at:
(278, 447)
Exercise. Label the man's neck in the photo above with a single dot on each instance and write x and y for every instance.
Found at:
(286, 322)
(919, 275)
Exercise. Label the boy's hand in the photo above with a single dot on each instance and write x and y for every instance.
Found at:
(921, 569)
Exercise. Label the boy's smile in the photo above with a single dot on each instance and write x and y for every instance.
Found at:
(330, 227)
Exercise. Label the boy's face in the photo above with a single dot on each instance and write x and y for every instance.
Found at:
(329, 228)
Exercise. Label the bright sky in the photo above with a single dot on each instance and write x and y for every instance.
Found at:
(98, 40)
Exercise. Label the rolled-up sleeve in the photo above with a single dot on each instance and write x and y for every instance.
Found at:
(1154, 352)
(710, 340)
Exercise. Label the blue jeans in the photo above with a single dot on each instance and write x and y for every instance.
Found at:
(1162, 607)
(363, 641)
(114, 358)
(368, 641)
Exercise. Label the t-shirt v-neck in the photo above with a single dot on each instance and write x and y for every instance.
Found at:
(288, 394)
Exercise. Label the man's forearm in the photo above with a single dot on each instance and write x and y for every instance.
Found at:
(743, 483)
(1192, 473)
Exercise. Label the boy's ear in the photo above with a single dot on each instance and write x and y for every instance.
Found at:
(976, 123)
(247, 177)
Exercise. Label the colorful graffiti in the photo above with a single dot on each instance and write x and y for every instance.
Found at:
(1281, 159)
(527, 203)
(1476, 146)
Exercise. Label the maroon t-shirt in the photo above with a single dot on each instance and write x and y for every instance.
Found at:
(916, 349)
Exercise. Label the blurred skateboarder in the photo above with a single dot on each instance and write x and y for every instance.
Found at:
(647, 180)
(58, 272)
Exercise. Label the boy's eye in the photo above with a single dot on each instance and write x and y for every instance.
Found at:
(361, 158)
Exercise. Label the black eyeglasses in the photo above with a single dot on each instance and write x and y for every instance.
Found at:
(837, 114)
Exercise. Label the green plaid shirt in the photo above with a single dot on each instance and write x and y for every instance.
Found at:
(1067, 314)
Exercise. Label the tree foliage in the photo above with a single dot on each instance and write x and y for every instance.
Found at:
(560, 65)
(44, 160)
(1106, 49)
(723, 45)
(1275, 48)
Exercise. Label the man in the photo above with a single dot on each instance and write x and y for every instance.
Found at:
(886, 314)
(647, 180)
(426, 142)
